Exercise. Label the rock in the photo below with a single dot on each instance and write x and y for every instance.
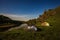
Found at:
(25, 27)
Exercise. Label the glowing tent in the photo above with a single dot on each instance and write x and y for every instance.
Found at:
(45, 24)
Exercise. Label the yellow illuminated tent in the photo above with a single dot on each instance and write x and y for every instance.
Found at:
(45, 24)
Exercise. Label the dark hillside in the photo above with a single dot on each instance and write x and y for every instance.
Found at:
(6, 23)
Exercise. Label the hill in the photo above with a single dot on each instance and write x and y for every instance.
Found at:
(6, 23)
(49, 15)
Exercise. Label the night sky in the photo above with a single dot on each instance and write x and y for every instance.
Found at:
(28, 8)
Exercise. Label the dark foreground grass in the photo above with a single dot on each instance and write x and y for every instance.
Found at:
(47, 34)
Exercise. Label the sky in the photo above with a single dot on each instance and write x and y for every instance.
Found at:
(26, 8)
